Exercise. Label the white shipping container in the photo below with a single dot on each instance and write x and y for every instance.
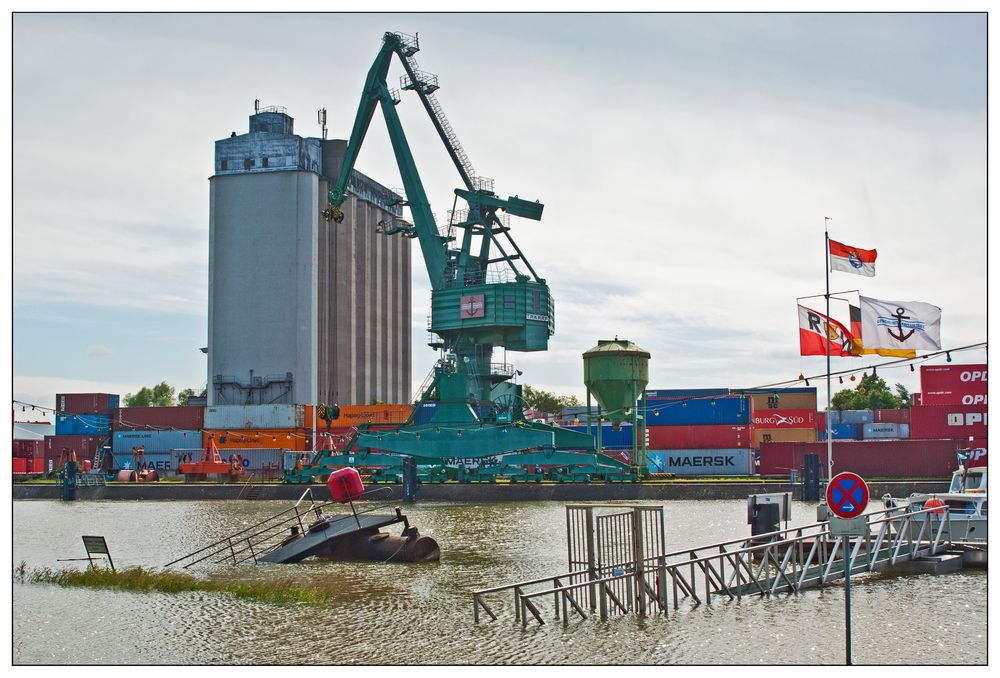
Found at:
(878, 431)
(255, 416)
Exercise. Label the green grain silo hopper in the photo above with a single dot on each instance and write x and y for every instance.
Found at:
(616, 373)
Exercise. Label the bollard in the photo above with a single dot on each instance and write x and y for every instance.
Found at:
(810, 489)
(69, 481)
(409, 480)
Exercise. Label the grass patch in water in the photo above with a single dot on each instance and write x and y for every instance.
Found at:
(140, 579)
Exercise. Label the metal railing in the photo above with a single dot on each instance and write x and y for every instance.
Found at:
(260, 538)
(785, 561)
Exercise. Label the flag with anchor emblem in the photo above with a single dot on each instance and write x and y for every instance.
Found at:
(900, 324)
(851, 259)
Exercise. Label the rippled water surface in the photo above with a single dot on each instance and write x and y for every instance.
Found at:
(422, 614)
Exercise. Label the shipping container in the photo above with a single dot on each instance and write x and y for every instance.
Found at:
(977, 452)
(948, 421)
(19, 466)
(781, 419)
(84, 446)
(841, 432)
(158, 418)
(783, 435)
(916, 399)
(852, 416)
(698, 437)
(718, 462)
(353, 415)
(868, 458)
(685, 393)
(783, 401)
(29, 449)
(904, 430)
(879, 431)
(723, 410)
(900, 416)
(154, 441)
(82, 424)
(609, 437)
(953, 384)
(286, 439)
(255, 416)
(86, 403)
(36, 466)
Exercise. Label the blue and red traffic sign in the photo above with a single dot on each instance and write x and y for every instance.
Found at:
(847, 495)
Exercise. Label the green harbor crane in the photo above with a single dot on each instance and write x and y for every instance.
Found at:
(484, 295)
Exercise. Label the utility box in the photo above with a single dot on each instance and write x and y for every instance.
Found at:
(765, 512)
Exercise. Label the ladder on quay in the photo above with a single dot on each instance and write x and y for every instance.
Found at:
(786, 561)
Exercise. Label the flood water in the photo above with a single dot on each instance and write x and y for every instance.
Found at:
(422, 614)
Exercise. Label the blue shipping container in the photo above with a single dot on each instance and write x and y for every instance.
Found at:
(720, 462)
(841, 432)
(83, 424)
(698, 412)
(621, 438)
(155, 441)
(678, 393)
(852, 416)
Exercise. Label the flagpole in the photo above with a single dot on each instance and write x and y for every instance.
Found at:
(829, 424)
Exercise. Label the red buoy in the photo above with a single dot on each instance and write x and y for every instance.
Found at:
(345, 485)
(935, 503)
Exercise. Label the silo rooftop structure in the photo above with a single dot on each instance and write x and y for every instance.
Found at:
(301, 309)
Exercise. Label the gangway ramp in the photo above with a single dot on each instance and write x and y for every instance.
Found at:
(786, 561)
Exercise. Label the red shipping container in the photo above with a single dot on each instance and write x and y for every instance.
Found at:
(891, 416)
(948, 421)
(953, 384)
(158, 418)
(867, 458)
(978, 453)
(85, 447)
(714, 436)
(783, 419)
(916, 399)
(29, 449)
(19, 466)
(86, 403)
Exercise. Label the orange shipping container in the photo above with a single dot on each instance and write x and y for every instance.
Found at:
(352, 415)
(783, 435)
(287, 439)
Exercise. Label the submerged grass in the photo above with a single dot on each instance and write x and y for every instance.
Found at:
(142, 580)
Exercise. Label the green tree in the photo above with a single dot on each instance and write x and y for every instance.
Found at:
(871, 393)
(903, 393)
(544, 401)
(185, 395)
(161, 395)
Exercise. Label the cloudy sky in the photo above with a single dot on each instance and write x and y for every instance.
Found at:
(686, 163)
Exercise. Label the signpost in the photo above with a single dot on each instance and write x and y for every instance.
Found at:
(847, 497)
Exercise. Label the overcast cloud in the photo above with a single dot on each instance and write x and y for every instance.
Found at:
(686, 163)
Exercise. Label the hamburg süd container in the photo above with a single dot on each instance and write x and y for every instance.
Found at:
(86, 403)
(255, 416)
(82, 424)
(782, 419)
(710, 436)
(705, 462)
(783, 401)
(188, 418)
(722, 410)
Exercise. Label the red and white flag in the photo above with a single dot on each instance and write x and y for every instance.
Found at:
(816, 330)
(852, 259)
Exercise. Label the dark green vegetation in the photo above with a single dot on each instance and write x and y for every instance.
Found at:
(142, 580)
(871, 393)
(161, 395)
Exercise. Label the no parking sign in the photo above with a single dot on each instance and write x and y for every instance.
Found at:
(847, 495)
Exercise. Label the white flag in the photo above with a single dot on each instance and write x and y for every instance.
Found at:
(900, 325)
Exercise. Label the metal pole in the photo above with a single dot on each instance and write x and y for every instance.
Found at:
(847, 596)
(829, 437)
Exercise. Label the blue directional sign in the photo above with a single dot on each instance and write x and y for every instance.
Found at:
(847, 495)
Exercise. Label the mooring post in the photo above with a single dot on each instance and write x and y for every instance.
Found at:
(409, 479)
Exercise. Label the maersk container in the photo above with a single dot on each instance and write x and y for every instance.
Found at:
(698, 437)
(154, 441)
(255, 416)
(714, 462)
(82, 424)
(723, 410)
(878, 431)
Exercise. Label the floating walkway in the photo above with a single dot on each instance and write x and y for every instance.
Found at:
(782, 562)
